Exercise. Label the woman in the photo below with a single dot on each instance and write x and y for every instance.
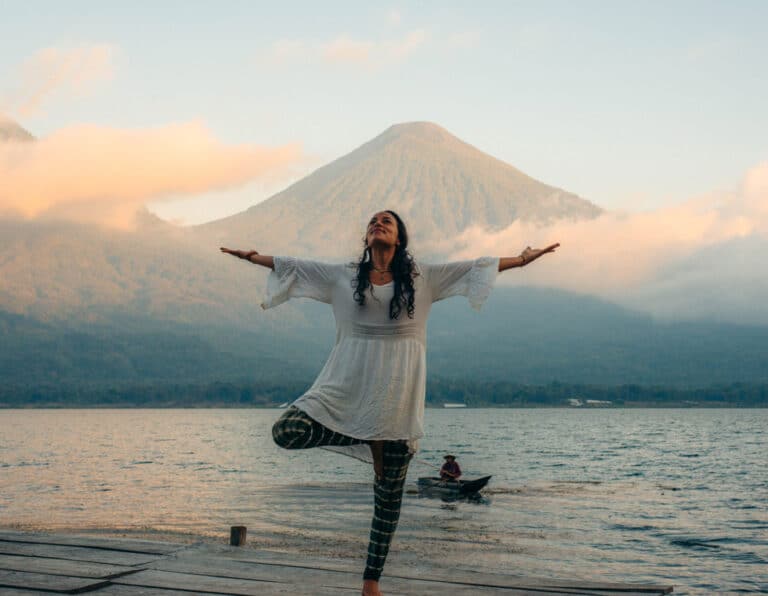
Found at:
(368, 400)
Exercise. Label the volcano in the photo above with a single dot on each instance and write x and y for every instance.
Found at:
(439, 184)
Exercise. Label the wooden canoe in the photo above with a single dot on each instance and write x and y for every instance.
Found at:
(456, 489)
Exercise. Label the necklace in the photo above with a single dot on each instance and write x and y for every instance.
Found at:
(382, 270)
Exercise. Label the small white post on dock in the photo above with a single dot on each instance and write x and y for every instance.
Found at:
(237, 535)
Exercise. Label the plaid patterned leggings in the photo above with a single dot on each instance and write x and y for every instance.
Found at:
(296, 430)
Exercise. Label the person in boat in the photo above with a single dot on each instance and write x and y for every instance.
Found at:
(451, 469)
(368, 400)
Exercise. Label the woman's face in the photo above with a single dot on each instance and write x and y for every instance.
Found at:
(382, 230)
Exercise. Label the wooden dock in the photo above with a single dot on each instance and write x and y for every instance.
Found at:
(67, 564)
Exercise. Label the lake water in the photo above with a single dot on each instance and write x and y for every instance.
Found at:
(664, 496)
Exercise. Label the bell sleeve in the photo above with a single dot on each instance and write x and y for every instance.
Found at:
(299, 278)
(473, 279)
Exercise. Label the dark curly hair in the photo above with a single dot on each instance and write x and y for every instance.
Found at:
(403, 273)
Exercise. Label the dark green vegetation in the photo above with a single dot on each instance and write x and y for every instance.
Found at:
(523, 335)
(439, 391)
(507, 355)
(502, 394)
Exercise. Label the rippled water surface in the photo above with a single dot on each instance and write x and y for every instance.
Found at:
(665, 496)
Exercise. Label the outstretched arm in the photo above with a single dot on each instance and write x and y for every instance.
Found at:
(251, 256)
(525, 257)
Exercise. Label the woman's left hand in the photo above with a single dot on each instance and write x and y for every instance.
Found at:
(531, 254)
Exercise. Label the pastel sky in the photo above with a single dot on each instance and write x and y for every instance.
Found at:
(633, 105)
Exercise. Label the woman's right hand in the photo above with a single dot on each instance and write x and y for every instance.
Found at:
(252, 256)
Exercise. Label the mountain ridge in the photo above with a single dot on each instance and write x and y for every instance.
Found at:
(438, 183)
(12, 131)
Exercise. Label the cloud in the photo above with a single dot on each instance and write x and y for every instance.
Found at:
(91, 173)
(754, 194)
(617, 253)
(58, 71)
(722, 282)
(700, 259)
(345, 50)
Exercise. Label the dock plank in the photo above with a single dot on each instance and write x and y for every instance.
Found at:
(75, 553)
(124, 590)
(226, 585)
(119, 544)
(207, 565)
(478, 578)
(238, 586)
(59, 567)
(49, 583)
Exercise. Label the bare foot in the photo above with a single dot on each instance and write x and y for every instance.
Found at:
(371, 588)
(377, 451)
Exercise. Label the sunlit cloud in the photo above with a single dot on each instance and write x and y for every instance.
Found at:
(97, 174)
(619, 252)
(56, 72)
(754, 194)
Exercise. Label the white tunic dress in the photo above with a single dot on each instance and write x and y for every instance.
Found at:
(374, 382)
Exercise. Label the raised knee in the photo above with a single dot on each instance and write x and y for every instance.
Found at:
(280, 435)
(292, 431)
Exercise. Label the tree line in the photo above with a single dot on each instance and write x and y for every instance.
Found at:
(472, 393)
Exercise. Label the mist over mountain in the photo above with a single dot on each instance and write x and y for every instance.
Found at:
(438, 183)
(11, 131)
(721, 283)
(524, 335)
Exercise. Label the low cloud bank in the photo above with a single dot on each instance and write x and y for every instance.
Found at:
(103, 175)
(622, 256)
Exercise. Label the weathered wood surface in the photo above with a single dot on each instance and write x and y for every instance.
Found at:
(115, 590)
(60, 566)
(279, 575)
(226, 585)
(36, 563)
(395, 570)
(48, 582)
(75, 553)
(117, 544)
